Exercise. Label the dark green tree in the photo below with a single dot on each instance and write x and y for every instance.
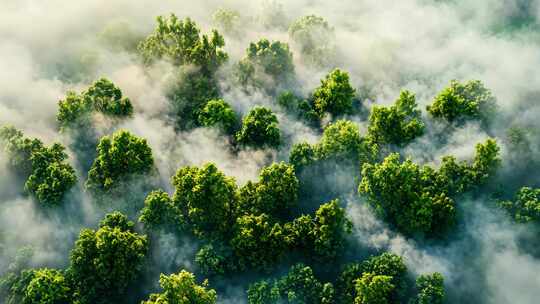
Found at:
(334, 95)
(218, 113)
(430, 289)
(301, 155)
(206, 199)
(526, 205)
(182, 288)
(398, 124)
(105, 261)
(160, 211)
(119, 156)
(259, 129)
(275, 194)
(464, 101)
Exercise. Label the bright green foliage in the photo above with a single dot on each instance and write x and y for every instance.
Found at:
(388, 264)
(342, 141)
(410, 197)
(373, 289)
(218, 113)
(51, 176)
(272, 58)
(301, 155)
(227, 20)
(181, 42)
(314, 36)
(323, 236)
(106, 261)
(257, 242)
(346, 283)
(486, 161)
(48, 174)
(206, 198)
(259, 129)
(398, 124)
(335, 95)
(118, 156)
(301, 108)
(299, 286)
(182, 288)
(463, 101)
(159, 211)
(525, 207)
(430, 289)
(275, 193)
(47, 286)
(102, 96)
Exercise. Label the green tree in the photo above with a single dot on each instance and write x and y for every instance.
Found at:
(341, 141)
(118, 156)
(373, 289)
(207, 200)
(182, 288)
(301, 155)
(398, 124)
(160, 211)
(257, 242)
(275, 194)
(263, 292)
(48, 175)
(271, 58)
(227, 20)
(315, 39)
(526, 205)
(464, 101)
(181, 42)
(47, 286)
(430, 289)
(334, 95)
(410, 197)
(259, 129)
(105, 261)
(218, 113)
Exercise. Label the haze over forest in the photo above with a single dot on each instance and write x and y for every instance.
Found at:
(260, 152)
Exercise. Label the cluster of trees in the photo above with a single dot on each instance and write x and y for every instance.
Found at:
(248, 227)
(526, 205)
(379, 279)
(46, 171)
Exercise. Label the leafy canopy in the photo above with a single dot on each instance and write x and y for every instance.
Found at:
(259, 129)
(218, 113)
(182, 288)
(334, 95)
(526, 205)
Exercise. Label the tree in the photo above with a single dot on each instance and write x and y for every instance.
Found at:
(206, 198)
(334, 95)
(398, 124)
(314, 37)
(47, 286)
(259, 129)
(118, 156)
(411, 198)
(342, 141)
(48, 175)
(275, 194)
(159, 211)
(181, 42)
(346, 283)
(105, 261)
(430, 289)
(102, 96)
(182, 288)
(464, 101)
(218, 113)
(227, 20)
(526, 205)
(271, 58)
(301, 155)
(257, 242)
(373, 289)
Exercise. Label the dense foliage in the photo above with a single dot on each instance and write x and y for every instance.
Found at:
(334, 95)
(181, 288)
(526, 205)
(259, 129)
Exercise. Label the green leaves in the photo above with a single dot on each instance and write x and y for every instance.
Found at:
(106, 261)
(525, 207)
(335, 95)
(47, 286)
(218, 113)
(398, 124)
(259, 129)
(48, 176)
(315, 38)
(464, 101)
(180, 42)
(430, 289)
(182, 288)
(120, 155)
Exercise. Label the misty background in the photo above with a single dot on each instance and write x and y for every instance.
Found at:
(50, 47)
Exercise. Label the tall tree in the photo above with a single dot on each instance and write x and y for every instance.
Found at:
(182, 288)
(259, 129)
(334, 95)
